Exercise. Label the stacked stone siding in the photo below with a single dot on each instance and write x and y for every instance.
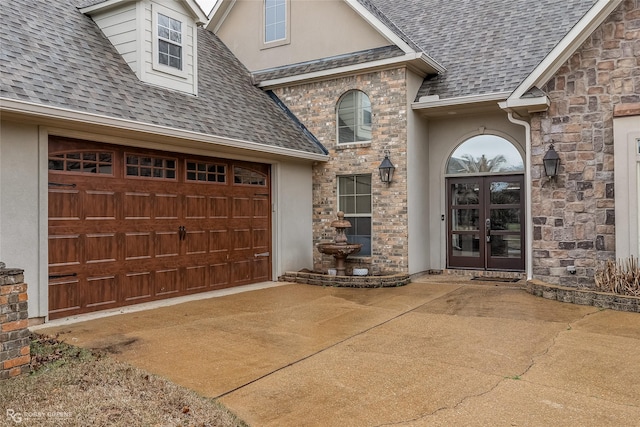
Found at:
(573, 217)
(315, 105)
(14, 335)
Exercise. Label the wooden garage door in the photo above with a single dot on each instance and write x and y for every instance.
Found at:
(128, 225)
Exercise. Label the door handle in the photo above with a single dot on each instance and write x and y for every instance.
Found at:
(182, 232)
(261, 254)
(487, 226)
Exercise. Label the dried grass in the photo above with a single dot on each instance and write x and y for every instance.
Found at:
(69, 386)
(619, 277)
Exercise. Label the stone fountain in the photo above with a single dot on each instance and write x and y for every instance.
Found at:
(339, 248)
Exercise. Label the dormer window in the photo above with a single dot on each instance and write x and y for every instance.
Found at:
(169, 41)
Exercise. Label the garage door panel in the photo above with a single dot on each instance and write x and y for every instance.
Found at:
(100, 248)
(64, 250)
(219, 207)
(100, 205)
(219, 241)
(137, 206)
(101, 291)
(64, 296)
(167, 244)
(138, 246)
(147, 225)
(167, 282)
(137, 286)
(167, 206)
(64, 205)
(196, 277)
(219, 275)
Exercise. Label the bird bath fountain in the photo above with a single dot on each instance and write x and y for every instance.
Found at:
(339, 248)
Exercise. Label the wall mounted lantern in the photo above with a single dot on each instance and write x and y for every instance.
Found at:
(551, 162)
(386, 169)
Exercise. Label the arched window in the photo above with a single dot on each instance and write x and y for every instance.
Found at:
(354, 117)
(485, 154)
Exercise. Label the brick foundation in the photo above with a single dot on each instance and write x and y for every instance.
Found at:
(14, 335)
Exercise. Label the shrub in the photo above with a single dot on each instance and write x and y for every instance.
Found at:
(620, 277)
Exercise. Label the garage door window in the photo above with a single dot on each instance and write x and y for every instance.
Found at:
(151, 167)
(206, 172)
(95, 162)
(248, 177)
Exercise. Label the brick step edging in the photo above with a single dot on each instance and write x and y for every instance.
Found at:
(584, 296)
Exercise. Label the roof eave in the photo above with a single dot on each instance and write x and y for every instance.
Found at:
(526, 106)
(197, 12)
(566, 47)
(23, 108)
(416, 61)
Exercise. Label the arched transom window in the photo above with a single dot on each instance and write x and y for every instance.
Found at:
(354, 117)
(485, 154)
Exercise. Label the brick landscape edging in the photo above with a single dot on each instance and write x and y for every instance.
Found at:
(15, 346)
(583, 296)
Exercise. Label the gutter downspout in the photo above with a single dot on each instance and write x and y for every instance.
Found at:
(528, 191)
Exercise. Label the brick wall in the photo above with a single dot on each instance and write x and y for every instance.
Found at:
(315, 105)
(574, 221)
(14, 335)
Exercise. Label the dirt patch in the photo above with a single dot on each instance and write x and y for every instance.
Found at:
(70, 386)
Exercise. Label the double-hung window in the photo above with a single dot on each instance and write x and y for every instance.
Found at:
(354, 199)
(275, 21)
(169, 42)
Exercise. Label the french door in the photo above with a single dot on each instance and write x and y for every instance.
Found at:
(485, 222)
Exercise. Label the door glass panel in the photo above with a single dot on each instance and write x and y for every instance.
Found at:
(465, 194)
(505, 246)
(505, 219)
(465, 245)
(464, 219)
(505, 193)
(485, 154)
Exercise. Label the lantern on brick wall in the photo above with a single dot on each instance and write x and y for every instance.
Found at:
(386, 169)
(551, 162)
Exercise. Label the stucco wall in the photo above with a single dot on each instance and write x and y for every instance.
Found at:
(574, 219)
(319, 29)
(315, 105)
(20, 211)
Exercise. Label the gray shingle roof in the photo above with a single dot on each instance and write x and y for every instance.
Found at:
(328, 63)
(53, 55)
(486, 46)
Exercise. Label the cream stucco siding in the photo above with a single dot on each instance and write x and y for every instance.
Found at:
(319, 29)
(418, 200)
(20, 210)
(444, 136)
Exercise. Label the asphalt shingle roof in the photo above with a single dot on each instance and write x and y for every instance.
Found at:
(53, 55)
(328, 63)
(486, 46)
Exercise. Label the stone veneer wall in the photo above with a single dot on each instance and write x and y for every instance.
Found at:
(315, 105)
(14, 335)
(573, 218)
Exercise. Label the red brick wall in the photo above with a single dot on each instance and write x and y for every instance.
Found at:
(14, 335)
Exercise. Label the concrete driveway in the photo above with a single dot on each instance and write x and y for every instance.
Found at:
(438, 352)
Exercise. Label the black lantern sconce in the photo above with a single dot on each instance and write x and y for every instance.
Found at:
(386, 169)
(551, 162)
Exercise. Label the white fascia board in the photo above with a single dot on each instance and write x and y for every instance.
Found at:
(103, 6)
(199, 15)
(57, 113)
(567, 46)
(350, 69)
(531, 105)
(219, 13)
(460, 100)
(379, 26)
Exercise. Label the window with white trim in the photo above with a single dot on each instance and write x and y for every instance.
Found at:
(354, 199)
(169, 41)
(354, 117)
(275, 21)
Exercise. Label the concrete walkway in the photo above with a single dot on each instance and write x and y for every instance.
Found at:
(437, 352)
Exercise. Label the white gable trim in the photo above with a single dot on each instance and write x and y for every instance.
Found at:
(567, 46)
(199, 16)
